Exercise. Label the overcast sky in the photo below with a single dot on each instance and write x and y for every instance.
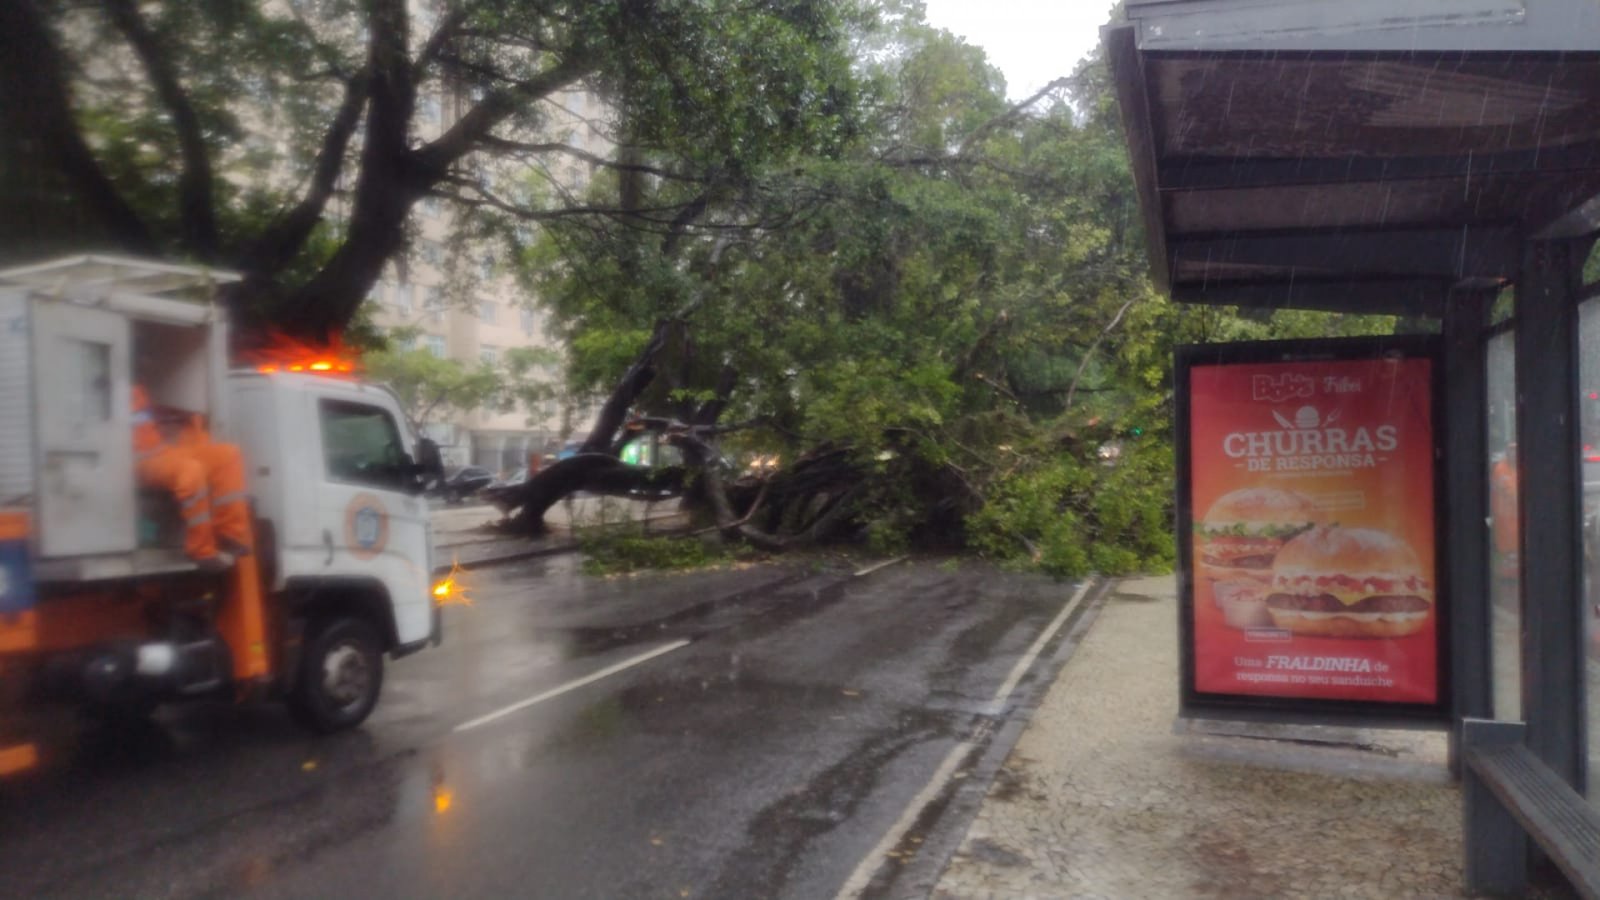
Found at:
(1031, 41)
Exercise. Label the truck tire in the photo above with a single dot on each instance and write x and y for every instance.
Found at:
(340, 677)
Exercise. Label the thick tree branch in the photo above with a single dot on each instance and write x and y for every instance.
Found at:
(195, 209)
(36, 106)
(629, 386)
(434, 159)
(1083, 364)
(385, 188)
(486, 197)
(495, 142)
(447, 29)
(712, 410)
(279, 243)
(1012, 112)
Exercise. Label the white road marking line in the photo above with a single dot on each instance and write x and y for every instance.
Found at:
(869, 865)
(997, 703)
(879, 565)
(862, 876)
(571, 685)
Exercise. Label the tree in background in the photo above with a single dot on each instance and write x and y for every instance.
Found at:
(432, 388)
(825, 238)
(945, 332)
(284, 139)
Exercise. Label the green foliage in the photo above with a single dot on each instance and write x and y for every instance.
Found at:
(432, 387)
(221, 129)
(958, 296)
(629, 549)
(1071, 515)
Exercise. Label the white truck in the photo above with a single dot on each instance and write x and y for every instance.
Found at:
(99, 605)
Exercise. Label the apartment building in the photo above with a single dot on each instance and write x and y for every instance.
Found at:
(467, 305)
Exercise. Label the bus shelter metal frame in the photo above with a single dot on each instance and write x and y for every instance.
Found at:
(1378, 192)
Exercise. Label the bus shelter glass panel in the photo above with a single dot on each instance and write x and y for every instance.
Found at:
(1589, 434)
(1505, 578)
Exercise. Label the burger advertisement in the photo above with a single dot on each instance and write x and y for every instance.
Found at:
(1307, 519)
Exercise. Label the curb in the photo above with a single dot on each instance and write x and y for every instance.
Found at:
(952, 817)
(520, 555)
(567, 546)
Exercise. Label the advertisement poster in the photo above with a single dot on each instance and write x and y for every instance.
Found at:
(1310, 519)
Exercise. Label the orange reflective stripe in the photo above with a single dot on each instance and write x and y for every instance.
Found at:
(202, 519)
(234, 497)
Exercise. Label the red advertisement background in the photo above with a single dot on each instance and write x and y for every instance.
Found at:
(1394, 495)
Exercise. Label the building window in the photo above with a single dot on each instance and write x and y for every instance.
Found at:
(487, 311)
(489, 355)
(436, 345)
(430, 206)
(403, 297)
(432, 253)
(486, 267)
(432, 302)
(431, 111)
(529, 321)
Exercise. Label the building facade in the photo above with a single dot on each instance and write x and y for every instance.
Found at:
(466, 304)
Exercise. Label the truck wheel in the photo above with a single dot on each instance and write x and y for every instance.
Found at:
(341, 674)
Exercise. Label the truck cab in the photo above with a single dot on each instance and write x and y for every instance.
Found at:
(99, 604)
(335, 482)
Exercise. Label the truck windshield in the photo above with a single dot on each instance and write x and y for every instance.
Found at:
(361, 445)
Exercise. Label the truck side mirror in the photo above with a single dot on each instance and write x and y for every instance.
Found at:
(428, 469)
(430, 462)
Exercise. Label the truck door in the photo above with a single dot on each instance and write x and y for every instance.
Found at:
(371, 525)
(83, 444)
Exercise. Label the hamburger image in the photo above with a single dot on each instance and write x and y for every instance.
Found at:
(1349, 583)
(1236, 543)
(1242, 532)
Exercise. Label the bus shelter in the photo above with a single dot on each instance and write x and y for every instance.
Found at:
(1437, 160)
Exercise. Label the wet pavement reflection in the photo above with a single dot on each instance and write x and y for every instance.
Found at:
(780, 719)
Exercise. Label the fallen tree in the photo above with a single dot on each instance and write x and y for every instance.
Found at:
(807, 502)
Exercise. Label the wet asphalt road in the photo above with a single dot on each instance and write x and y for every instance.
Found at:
(764, 758)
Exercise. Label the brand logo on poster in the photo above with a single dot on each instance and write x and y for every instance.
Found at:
(1281, 388)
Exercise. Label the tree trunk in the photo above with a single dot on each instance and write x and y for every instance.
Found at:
(595, 467)
(595, 472)
(385, 185)
(36, 107)
(628, 389)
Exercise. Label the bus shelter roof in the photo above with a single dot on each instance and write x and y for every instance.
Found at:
(1361, 155)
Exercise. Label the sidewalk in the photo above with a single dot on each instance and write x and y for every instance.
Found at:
(1100, 798)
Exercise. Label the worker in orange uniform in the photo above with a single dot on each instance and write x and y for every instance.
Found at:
(206, 477)
(1504, 513)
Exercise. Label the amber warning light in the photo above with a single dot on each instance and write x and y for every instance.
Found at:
(281, 353)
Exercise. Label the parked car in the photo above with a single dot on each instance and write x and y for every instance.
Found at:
(464, 482)
(500, 494)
